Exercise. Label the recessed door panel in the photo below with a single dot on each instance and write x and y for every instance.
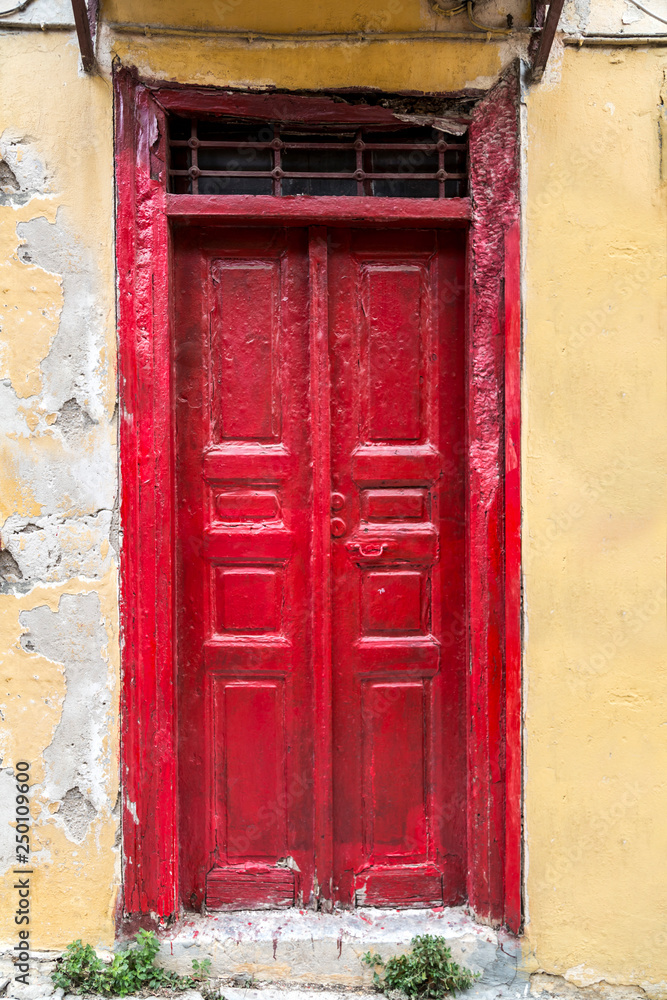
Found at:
(244, 349)
(248, 715)
(394, 794)
(391, 337)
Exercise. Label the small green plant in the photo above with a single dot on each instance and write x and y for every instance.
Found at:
(132, 971)
(201, 969)
(426, 971)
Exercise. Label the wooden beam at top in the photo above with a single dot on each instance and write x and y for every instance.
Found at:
(84, 34)
(546, 39)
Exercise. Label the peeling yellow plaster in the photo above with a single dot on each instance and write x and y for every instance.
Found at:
(298, 16)
(414, 65)
(69, 126)
(30, 303)
(74, 885)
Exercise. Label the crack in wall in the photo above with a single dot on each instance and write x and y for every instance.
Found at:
(548, 985)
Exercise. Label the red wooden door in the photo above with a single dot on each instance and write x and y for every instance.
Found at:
(320, 555)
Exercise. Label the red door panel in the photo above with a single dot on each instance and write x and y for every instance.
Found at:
(396, 350)
(243, 482)
(247, 603)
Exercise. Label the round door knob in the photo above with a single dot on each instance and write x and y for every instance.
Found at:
(337, 501)
(338, 527)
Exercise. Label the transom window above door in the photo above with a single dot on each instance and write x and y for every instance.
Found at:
(227, 157)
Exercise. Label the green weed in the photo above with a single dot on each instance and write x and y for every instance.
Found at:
(132, 971)
(201, 969)
(426, 971)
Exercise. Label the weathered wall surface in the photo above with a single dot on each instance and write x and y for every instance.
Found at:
(594, 488)
(58, 485)
(594, 448)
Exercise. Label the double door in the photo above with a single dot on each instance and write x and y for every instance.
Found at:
(320, 492)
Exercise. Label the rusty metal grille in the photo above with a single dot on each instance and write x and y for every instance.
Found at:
(223, 157)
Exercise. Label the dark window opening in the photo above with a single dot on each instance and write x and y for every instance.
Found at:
(225, 157)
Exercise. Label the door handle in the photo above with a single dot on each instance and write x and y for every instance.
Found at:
(368, 550)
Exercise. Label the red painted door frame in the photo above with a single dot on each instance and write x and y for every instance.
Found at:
(145, 214)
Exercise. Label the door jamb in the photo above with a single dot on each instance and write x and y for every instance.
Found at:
(493, 625)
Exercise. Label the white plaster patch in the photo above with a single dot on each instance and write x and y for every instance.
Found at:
(42, 12)
(72, 367)
(582, 975)
(631, 14)
(53, 549)
(575, 17)
(78, 756)
(24, 176)
(76, 474)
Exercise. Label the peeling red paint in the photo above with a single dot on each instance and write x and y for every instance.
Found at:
(149, 748)
(494, 170)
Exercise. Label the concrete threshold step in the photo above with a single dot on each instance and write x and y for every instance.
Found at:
(302, 949)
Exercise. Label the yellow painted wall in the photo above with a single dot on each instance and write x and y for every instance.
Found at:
(594, 402)
(594, 493)
(305, 16)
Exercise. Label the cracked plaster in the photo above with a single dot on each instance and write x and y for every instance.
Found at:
(58, 476)
(78, 754)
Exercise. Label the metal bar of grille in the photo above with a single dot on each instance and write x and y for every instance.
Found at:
(277, 172)
(407, 159)
(441, 170)
(334, 175)
(362, 186)
(194, 169)
(429, 147)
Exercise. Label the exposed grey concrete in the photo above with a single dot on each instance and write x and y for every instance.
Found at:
(304, 946)
(77, 759)
(74, 481)
(41, 12)
(52, 549)
(72, 369)
(23, 175)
